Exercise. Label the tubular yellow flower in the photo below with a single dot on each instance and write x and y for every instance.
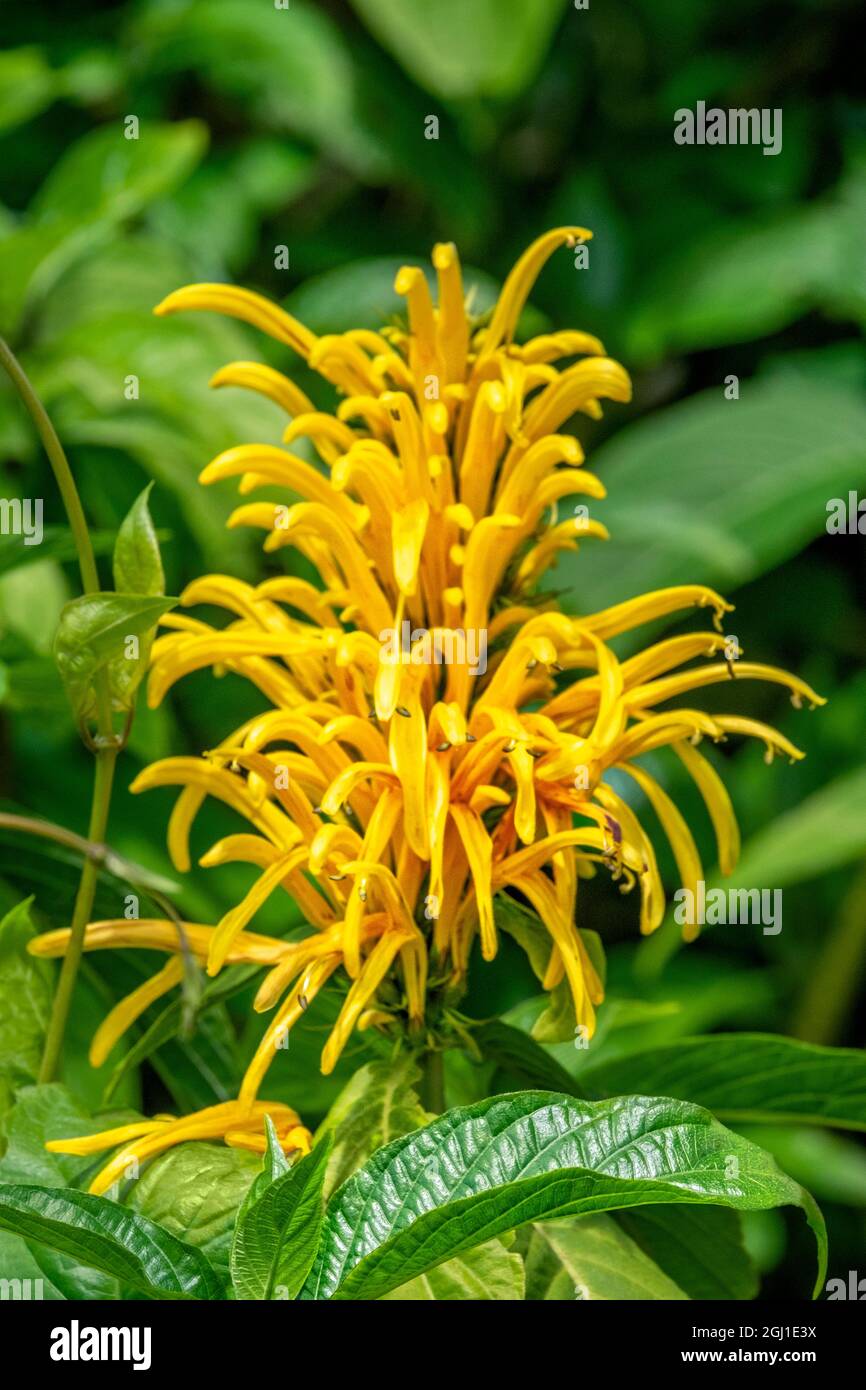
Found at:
(440, 733)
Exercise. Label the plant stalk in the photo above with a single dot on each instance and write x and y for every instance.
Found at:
(433, 1081)
(106, 757)
(106, 745)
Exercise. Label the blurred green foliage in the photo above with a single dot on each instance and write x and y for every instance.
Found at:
(261, 127)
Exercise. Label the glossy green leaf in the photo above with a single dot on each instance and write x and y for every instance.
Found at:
(106, 1236)
(754, 1077)
(277, 1236)
(92, 634)
(590, 1259)
(491, 1167)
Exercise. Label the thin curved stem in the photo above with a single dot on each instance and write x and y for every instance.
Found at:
(106, 745)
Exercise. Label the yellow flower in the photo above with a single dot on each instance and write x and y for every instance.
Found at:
(438, 732)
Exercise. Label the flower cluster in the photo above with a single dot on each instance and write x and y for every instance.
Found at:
(391, 795)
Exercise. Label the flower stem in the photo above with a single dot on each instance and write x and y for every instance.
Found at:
(106, 758)
(106, 745)
(433, 1082)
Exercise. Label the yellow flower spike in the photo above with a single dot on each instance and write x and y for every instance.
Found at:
(423, 776)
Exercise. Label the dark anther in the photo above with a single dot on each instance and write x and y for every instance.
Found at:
(442, 747)
(470, 738)
(401, 709)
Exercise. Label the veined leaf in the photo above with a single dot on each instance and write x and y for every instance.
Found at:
(754, 1077)
(193, 1192)
(494, 1166)
(106, 1236)
(277, 1236)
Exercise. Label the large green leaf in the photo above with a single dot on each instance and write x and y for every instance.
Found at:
(754, 1077)
(106, 1236)
(277, 1236)
(459, 49)
(194, 1191)
(705, 478)
(494, 1166)
(25, 998)
(591, 1258)
(379, 1104)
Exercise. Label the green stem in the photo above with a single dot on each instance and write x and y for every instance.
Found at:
(106, 758)
(60, 467)
(106, 745)
(433, 1082)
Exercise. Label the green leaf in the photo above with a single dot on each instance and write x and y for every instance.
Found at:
(522, 1057)
(137, 564)
(488, 1273)
(754, 1077)
(379, 1104)
(459, 50)
(591, 1259)
(26, 86)
(494, 1166)
(700, 1248)
(194, 1192)
(292, 69)
(662, 474)
(106, 1236)
(92, 632)
(277, 1236)
(25, 998)
(105, 176)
